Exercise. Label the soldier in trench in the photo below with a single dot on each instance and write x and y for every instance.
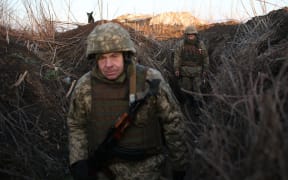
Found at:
(191, 63)
(115, 83)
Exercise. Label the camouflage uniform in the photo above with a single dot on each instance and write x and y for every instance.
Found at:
(164, 106)
(191, 60)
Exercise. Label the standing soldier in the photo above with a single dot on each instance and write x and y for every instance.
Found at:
(103, 95)
(191, 62)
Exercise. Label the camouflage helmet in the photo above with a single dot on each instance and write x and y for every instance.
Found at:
(191, 30)
(109, 37)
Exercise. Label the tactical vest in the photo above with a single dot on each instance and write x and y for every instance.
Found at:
(109, 101)
(191, 55)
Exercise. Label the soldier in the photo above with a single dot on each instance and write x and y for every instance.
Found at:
(191, 62)
(90, 17)
(108, 90)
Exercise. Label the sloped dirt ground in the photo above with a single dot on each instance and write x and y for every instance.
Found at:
(33, 130)
(240, 134)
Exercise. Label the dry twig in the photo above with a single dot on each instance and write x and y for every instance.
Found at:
(20, 79)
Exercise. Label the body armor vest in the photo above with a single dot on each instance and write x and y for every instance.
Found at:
(191, 55)
(109, 101)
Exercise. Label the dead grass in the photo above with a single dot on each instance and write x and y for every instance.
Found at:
(241, 133)
(243, 127)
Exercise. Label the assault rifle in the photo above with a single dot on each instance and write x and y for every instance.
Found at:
(104, 151)
(87, 169)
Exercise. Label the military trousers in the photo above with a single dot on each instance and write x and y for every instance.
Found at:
(191, 84)
(148, 169)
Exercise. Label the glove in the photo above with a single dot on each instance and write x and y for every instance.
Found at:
(79, 170)
(177, 73)
(178, 175)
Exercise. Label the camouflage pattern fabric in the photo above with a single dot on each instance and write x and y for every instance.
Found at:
(109, 37)
(149, 169)
(191, 30)
(191, 70)
(191, 75)
(171, 118)
(192, 84)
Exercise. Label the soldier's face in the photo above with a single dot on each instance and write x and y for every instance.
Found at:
(191, 36)
(111, 65)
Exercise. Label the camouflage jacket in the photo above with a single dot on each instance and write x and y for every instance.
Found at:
(171, 118)
(197, 65)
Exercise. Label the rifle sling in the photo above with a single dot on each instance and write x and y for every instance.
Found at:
(108, 148)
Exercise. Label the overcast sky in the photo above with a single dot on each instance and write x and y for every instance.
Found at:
(208, 10)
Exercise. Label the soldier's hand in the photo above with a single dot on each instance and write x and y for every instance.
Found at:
(177, 73)
(204, 74)
(79, 170)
